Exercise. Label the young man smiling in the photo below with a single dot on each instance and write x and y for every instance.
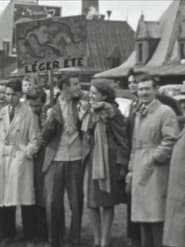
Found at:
(154, 134)
(62, 166)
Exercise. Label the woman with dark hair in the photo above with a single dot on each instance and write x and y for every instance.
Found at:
(107, 156)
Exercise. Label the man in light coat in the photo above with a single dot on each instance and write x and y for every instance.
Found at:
(19, 143)
(154, 134)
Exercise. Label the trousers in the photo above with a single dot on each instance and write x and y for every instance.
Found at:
(151, 234)
(8, 222)
(61, 176)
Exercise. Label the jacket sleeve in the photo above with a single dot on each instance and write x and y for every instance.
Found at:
(169, 133)
(119, 132)
(50, 129)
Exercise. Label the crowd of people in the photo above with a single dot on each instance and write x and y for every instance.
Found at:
(84, 145)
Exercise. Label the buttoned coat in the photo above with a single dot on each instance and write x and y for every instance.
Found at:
(153, 139)
(174, 229)
(18, 145)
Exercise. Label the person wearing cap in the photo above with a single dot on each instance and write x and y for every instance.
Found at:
(20, 132)
(154, 134)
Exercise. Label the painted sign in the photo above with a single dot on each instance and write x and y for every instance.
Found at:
(51, 43)
(28, 12)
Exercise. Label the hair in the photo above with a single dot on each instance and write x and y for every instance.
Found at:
(32, 78)
(15, 84)
(39, 94)
(146, 77)
(65, 80)
(105, 87)
(131, 72)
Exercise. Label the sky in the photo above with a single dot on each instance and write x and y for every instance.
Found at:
(129, 10)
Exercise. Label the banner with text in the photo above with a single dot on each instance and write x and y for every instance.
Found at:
(51, 44)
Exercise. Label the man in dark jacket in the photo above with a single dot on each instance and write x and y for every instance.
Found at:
(62, 166)
(133, 230)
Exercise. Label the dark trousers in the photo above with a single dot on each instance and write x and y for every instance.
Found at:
(41, 231)
(61, 176)
(151, 234)
(28, 220)
(133, 229)
(8, 222)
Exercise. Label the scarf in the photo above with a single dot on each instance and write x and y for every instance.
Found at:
(95, 119)
(100, 160)
(142, 109)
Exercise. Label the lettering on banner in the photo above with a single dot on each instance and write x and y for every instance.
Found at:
(55, 65)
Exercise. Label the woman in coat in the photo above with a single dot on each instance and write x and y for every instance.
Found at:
(174, 229)
(107, 159)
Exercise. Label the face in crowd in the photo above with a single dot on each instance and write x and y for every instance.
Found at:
(132, 85)
(26, 86)
(95, 95)
(74, 88)
(2, 94)
(13, 97)
(146, 91)
(29, 85)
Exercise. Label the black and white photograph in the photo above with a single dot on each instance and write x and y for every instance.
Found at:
(92, 123)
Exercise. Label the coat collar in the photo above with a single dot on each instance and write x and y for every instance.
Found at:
(153, 105)
(144, 109)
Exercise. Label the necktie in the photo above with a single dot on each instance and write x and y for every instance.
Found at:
(12, 111)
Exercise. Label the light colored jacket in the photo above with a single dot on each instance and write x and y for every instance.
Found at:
(18, 146)
(174, 229)
(152, 142)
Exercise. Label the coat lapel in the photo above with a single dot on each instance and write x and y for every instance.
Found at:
(7, 117)
(58, 112)
(17, 118)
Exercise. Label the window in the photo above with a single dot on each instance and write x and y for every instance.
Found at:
(140, 52)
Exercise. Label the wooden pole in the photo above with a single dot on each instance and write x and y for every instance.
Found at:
(51, 86)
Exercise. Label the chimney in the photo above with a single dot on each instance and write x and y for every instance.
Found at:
(109, 13)
(87, 4)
